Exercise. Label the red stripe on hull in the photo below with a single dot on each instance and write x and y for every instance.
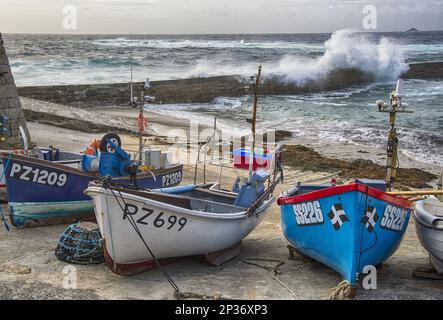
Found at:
(332, 191)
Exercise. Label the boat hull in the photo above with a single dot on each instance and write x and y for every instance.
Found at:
(346, 227)
(41, 192)
(430, 231)
(192, 233)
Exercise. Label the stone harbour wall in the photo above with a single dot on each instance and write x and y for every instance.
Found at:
(10, 106)
(204, 90)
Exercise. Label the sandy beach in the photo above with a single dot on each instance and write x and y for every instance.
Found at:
(30, 270)
(224, 159)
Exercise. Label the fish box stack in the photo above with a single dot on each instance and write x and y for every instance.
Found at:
(11, 113)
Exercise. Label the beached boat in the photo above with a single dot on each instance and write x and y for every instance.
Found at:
(70, 159)
(345, 227)
(139, 227)
(349, 227)
(428, 216)
(41, 191)
(174, 222)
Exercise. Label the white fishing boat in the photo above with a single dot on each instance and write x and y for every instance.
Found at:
(175, 222)
(428, 217)
(139, 227)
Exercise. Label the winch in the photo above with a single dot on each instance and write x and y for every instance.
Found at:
(112, 161)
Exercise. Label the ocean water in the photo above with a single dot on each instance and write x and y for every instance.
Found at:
(340, 116)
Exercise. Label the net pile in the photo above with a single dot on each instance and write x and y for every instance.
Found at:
(81, 243)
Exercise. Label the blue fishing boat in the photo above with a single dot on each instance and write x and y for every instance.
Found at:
(354, 226)
(345, 227)
(41, 191)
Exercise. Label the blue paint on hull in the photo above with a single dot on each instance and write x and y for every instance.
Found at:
(353, 243)
(33, 201)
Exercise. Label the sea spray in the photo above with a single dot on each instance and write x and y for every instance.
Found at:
(345, 49)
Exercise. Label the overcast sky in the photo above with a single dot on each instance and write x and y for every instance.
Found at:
(217, 16)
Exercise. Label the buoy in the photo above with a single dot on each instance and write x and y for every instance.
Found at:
(93, 148)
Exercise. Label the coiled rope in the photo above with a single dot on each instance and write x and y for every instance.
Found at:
(341, 292)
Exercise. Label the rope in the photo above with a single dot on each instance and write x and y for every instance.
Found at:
(341, 292)
(2, 215)
(137, 231)
(177, 293)
(275, 271)
(192, 295)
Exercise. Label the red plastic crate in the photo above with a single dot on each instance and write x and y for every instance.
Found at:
(241, 159)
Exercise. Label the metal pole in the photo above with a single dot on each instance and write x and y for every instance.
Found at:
(254, 119)
(213, 138)
(392, 151)
(132, 86)
(440, 186)
(140, 137)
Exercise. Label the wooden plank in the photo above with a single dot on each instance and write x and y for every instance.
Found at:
(429, 274)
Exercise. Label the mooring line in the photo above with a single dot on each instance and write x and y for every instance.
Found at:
(177, 293)
(274, 269)
(2, 215)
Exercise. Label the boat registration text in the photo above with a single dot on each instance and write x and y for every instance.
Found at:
(37, 175)
(154, 218)
(308, 213)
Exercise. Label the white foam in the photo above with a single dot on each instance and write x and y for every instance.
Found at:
(345, 49)
(206, 44)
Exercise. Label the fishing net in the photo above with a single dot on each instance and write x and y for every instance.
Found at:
(81, 243)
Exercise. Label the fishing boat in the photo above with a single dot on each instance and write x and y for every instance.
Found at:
(141, 227)
(49, 190)
(42, 190)
(175, 222)
(428, 216)
(346, 227)
(352, 226)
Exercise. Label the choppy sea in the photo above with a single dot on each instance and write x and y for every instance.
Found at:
(347, 115)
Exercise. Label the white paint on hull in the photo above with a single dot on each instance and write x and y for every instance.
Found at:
(428, 217)
(204, 232)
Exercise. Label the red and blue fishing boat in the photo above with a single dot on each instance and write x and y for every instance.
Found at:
(345, 227)
(349, 227)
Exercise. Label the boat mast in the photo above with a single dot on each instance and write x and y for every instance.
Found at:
(132, 83)
(141, 117)
(134, 102)
(254, 119)
(395, 106)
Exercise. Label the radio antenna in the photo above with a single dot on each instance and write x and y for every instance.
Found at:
(395, 106)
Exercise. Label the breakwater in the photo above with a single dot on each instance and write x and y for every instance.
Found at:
(203, 90)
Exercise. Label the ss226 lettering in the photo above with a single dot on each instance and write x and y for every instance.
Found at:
(308, 213)
(394, 218)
